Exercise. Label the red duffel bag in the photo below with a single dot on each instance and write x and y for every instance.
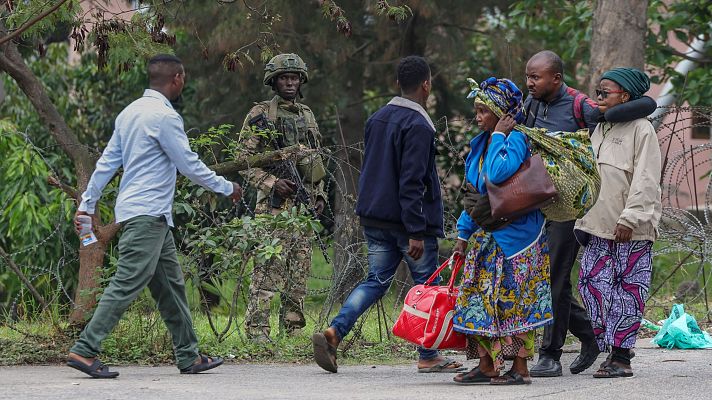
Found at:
(426, 319)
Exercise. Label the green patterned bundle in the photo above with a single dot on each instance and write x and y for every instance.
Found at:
(569, 159)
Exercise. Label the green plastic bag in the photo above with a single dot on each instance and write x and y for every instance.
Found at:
(681, 331)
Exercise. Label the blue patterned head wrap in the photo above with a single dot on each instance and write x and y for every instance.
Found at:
(501, 96)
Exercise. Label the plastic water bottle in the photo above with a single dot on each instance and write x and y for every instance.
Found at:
(650, 325)
(86, 235)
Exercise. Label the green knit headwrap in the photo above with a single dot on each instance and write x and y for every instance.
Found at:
(633, 81)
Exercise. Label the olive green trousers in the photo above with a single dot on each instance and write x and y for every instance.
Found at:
(147, 257)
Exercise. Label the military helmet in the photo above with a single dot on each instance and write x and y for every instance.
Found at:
(282, 63)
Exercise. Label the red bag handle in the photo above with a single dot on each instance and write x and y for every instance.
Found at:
(458, 260)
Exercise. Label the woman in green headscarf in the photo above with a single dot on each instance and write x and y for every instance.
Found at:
(619, 230)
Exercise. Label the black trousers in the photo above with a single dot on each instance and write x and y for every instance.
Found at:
(568, 313)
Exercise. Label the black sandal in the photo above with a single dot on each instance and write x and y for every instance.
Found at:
(475, 376)
(612, 370)
(511, 378)
(96, 370)
(447, 365)
(610, 358)
(205, 364)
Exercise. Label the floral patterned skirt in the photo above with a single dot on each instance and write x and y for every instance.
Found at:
(503, 300)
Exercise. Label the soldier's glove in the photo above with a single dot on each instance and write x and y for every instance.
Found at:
(478, 208)
(285, 188)
(319, 205)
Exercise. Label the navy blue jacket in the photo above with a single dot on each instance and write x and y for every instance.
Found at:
(399, 187)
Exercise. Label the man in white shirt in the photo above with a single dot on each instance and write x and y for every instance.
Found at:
(149, 141)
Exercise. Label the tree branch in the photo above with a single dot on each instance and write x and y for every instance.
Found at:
(462, 28)
(107, 232)
(690, 58)
(29, 24)
(70, 191)
(23, 278)
(11, 62)
(260, 160)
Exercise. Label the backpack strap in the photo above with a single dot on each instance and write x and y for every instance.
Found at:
(579, 100)
(527, 122)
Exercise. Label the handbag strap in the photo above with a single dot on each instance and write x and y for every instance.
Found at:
(455, 258)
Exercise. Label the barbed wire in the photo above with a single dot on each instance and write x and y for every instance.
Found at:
(685, 229)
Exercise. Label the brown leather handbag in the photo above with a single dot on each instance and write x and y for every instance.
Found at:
(530, 188)
(478, 208)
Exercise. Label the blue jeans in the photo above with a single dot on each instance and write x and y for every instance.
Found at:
(386, 249)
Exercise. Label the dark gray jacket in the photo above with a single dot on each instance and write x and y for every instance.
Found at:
(558, 114)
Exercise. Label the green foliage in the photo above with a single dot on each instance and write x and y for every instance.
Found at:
(88, 98)
(133, 45)
(562, 26)
(223, 143)
(248, 238)
(34, 216)
(395, 13)
(30, 207)
(683, 21)
(65, 16)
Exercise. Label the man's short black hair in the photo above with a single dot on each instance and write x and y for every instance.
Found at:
(412, 71)
(553, 61)
(162, 68)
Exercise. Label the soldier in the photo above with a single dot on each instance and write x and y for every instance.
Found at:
(296, 124)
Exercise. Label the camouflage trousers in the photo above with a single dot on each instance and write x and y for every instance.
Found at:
(286, 276)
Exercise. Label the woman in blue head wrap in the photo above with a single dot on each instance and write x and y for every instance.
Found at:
(619, 230)
(505, 293)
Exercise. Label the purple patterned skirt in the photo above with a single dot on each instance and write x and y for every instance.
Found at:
(614, 281)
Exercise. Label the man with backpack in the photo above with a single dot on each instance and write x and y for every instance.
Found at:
(557, 107)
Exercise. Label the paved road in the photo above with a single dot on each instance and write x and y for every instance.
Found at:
(660, 374)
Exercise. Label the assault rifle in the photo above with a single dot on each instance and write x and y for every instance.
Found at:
(286, 169)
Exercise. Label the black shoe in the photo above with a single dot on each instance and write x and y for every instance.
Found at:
(547, 367)
(588, 356)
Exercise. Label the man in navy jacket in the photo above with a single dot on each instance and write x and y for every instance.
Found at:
(400, 208)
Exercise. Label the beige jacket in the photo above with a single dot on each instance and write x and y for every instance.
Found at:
(628, 161)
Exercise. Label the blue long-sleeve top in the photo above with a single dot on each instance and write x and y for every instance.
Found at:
(504, 157)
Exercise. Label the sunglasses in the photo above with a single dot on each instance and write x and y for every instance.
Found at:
(603, 94)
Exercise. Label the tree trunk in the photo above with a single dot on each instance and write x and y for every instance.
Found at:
(618, 39)
(89, 260)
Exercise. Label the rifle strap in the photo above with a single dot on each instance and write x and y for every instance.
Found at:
(272, 110)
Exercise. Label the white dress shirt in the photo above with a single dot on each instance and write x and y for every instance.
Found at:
(149, 141)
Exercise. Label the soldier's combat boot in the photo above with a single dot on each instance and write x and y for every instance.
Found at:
(258, 334)
(293, 322)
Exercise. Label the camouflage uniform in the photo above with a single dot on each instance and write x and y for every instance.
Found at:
(289, 275)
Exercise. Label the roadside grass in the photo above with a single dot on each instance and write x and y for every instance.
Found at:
(141, 337)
